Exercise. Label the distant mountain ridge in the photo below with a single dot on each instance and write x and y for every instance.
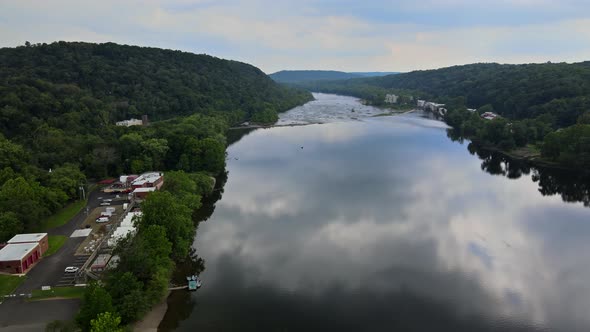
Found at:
(298, 76)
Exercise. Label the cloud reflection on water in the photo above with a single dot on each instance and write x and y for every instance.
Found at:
(387, 206)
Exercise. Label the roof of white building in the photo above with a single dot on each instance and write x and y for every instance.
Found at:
(144, 190)
(16, 251)
(32, 237)
(147, 178)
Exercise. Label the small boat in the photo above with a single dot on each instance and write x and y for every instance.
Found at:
(194, 282)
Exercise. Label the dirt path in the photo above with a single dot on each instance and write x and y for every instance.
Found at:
(152, 320)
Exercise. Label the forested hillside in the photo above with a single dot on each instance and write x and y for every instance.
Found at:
(59, 103)
(296, 76)
(533, 99)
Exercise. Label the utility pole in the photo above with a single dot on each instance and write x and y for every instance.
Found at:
(83, 192)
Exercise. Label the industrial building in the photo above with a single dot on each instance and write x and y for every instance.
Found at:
(148, 180)
(18, 258)
(391, 98)
(130, 122)
(142, 193)
(41, 238)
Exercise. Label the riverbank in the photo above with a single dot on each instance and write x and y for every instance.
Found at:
(153, 318)
(395, 112)
(255, 126)
(531, 155)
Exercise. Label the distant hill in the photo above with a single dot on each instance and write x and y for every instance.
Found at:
(298, 76)
(375, 73)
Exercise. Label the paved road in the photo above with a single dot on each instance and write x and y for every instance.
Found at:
(18, 315)
(76, 222)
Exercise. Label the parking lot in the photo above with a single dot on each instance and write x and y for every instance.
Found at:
(69, 278)
(50, 271)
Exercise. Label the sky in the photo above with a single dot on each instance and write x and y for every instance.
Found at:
(347, 35)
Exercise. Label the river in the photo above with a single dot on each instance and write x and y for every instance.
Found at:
(369, 223)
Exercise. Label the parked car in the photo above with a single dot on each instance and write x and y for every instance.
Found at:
(105, 203)
(71, 269)
(102, 219)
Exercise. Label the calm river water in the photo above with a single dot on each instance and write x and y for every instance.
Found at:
(385, 224)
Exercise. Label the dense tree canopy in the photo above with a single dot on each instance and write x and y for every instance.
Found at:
(59, 103)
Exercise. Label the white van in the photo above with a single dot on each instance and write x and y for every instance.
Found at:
(102, 219)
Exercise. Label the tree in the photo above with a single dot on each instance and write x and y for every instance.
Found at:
(519, 132)
(179, 182)
(106, 322)
(23, 199)
(155, 149)
(485, 108)
(12, 155)
(96, 300)
(205, 183)
(162, 209)
(61, 326)
(584, 118)
(267, 115)
(67, 178)
(9, 226)
(147, 252)
(132, 306)
(120, 283)
(212, 156)
(182, 186)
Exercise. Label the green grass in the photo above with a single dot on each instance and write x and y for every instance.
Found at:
(55, 242)
(62, 216)
(65, 292)
(534, 147)
(9, 283)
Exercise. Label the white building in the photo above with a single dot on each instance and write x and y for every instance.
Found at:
(130, 122)
(433, 107)
(489, 115)
(150, 179)
(391, 98)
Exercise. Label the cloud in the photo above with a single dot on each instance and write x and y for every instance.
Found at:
(312, 34)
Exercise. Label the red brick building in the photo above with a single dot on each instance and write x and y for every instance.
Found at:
(20, 257)
(40, 238)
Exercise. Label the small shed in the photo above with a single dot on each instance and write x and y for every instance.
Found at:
(100, 263)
